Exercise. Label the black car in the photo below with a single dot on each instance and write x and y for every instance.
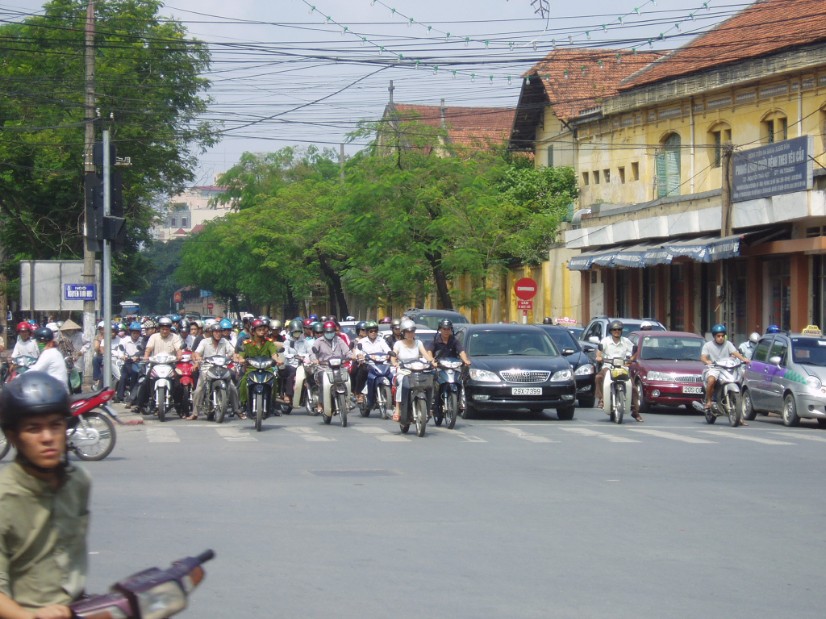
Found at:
(515, 367)
(581, 362)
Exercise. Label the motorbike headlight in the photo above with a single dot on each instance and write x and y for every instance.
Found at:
(483, 376)
(814, 382)
(562, 375)
(178, 372)
(163, 600)
(662, 377)
(585, 370)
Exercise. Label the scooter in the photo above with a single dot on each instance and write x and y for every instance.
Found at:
(218, 376)
(162, 371)
(186, 372)
(305, 392)
(260, 388)
(379, 387)
(415, 407)
(726, 397)
(91, 433)
(20, 364)
(149, 594)
(335, 391)
(616, 389)
(450, 387)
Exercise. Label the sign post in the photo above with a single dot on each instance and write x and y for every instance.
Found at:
(525, 290)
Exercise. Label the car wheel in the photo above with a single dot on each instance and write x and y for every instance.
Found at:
(642, 405)
(748, 406)
(565, 413)
(790, 417)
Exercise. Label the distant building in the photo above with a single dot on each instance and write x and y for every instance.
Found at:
(187, 212)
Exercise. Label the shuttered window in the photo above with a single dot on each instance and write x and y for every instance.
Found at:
(668, 167)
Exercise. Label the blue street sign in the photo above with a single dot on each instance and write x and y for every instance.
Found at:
(80, 292)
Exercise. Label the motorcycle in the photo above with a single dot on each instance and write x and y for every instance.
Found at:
(616, 389)
(305, 392)
(20, 364)
(260, 388)
(415, 407)
(185, 371)
(336, 387)
(90, 433)
(218, 376)
(379, 390)
(726, 397)
(162, 370)
(450, 388)
(149, 594)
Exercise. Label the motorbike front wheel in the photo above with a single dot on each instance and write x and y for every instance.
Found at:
(619, 405)
(341, 403)
(184, 407)
(420, 413)
(450, 409)
(258, 406)
(363, 409)
(220, 403)
(91, 426)
(731, 403)
(160, 395)
(384, 395)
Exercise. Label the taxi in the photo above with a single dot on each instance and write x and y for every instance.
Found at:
(787, 376)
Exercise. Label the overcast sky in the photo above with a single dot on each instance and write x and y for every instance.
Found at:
(285, 73)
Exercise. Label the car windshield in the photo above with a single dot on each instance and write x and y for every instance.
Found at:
(809, 351)
(562, 338)
(630, 327)
(432, 322)
(515, 342)
(671, 348)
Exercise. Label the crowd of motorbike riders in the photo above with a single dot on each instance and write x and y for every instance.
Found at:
(304, 346)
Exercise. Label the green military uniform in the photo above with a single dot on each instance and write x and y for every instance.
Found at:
(43, 537)
(251, 349)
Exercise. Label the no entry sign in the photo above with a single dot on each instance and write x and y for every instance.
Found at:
(525, 288)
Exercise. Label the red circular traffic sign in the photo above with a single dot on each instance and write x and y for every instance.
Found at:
(525, 288)
(210, 306)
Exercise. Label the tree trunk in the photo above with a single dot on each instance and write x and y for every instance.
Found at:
(442, 293)
(334, 280)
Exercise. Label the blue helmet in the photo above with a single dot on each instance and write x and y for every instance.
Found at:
(135, 326)
(226, 323)
(313, 317)
(772, 329)
(718, 328)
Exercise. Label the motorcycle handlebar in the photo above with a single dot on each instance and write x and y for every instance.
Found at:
(206, 555)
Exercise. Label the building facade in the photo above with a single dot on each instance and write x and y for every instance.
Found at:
(185, 213)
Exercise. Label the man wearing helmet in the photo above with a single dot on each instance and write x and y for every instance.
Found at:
(163, 342)
(614, 346)
(325, 348)
(395, 333)
(259, 345)
(25, 346)
(131, 349)
(297, 349)
(718, 348)
(44, 503)
(213, 344)
(747, 348)
(368, 345)
(50, 360)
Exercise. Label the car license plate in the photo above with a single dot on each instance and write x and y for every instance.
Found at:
(526, 390)
(692, 390)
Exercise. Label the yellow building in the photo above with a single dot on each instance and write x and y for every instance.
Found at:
(665, 227)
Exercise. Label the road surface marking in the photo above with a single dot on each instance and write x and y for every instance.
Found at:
(310, 435)
(801, 436)
(162, 435)
(527, 436)
(468, 438)
(370, 430)
(235, 434)
(592, 433)
(673, 437)
(735, 434)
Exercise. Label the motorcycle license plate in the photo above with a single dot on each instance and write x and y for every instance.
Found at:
(526, 390)
(692, 390)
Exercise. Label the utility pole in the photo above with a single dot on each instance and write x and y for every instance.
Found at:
(89, 179)
(725, 228)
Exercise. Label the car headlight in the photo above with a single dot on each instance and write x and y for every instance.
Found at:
(585, 370)
(483, 376)
(562, 375)
(814, 382)
(163, 600)
(660, 376)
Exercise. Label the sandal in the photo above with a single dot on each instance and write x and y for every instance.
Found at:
(192, 418)
(242, 415)
(638, 418)
(397, 417)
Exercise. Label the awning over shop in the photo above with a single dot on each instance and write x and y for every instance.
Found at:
(702, 249)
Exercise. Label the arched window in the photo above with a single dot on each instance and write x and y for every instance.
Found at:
(668, 166)
(774, 128)
(718, 136)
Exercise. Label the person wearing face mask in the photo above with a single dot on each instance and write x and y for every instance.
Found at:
(50, 360)
(328, 346)
(370, 344)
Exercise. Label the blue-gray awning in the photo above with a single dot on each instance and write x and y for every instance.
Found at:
(701, 249)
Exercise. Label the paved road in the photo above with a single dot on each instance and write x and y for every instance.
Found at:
(504, 517)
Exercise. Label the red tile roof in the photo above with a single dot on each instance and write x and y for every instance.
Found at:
(577, 80)
(765, 27)
(466, 126)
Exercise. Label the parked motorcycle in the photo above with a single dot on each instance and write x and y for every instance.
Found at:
(186, 372)
(415, 406)
(378, 390)
(215, 370)
(727, 388)
(336, 388)
(162, 371)
(260, 388)
(149, 594)
(91, 433)
(616, 389)
(449, 391)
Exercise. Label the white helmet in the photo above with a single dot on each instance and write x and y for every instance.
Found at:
(754, 337)
(407, 325)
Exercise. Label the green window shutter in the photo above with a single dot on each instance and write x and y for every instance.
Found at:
(662, 190)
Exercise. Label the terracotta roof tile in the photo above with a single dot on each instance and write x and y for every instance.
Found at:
(577, 80)
(765, 27)
(466, 126)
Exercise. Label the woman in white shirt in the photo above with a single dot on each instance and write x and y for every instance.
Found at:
(409, 348)
(50, 360)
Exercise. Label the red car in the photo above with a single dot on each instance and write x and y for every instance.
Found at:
(667, 370)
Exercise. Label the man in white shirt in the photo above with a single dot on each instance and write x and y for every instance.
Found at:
(615, 346)
(50, 360)
(25, 346)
